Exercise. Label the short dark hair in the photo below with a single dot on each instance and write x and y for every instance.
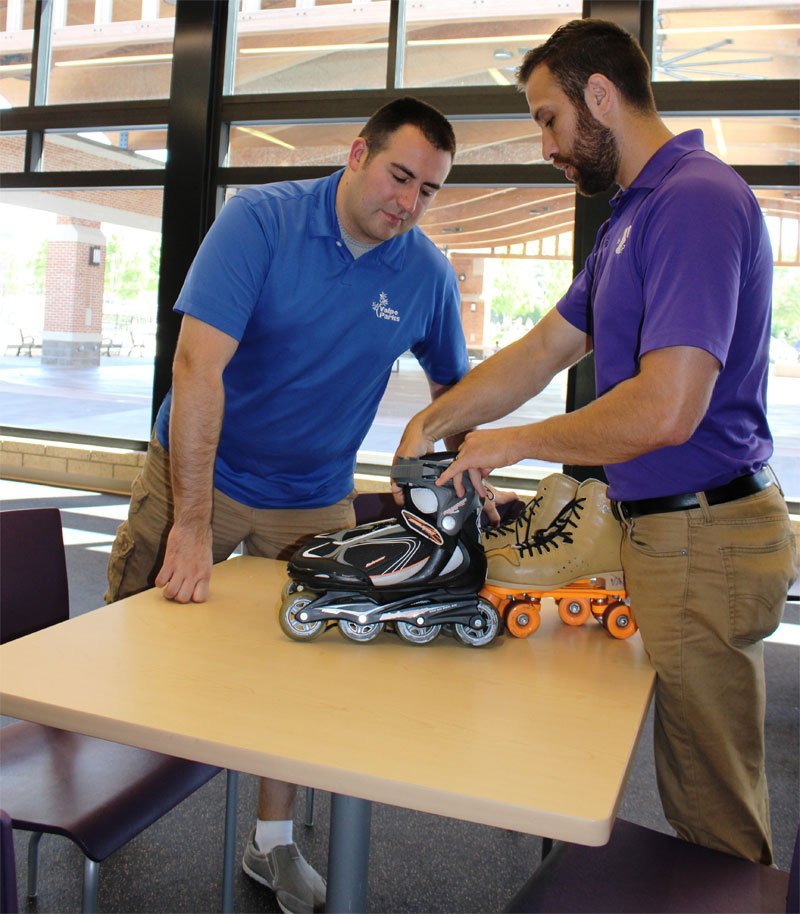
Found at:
(582, 47)
(391, 117)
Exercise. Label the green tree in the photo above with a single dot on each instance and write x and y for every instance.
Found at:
(124, 277)
(510, 299)
(786, 304)
(37, 268)
(527, 289)
(154, 266)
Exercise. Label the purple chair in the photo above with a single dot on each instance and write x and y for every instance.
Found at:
(643, 870)
(97, 793)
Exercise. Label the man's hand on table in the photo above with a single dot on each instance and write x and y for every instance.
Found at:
(186, 573)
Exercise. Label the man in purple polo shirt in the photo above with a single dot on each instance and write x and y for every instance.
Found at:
(675, 302)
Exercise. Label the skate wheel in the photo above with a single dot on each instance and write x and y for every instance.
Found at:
(619, 622)
(294, 627)
(362, 633)
(417, 634)
(522, 618)
(479, 636)
(574, 610)
(288, 590)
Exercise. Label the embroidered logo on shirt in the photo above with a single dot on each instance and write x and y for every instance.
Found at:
(382, 309)
(624, 240)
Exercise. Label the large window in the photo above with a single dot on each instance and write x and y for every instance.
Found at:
(726, 40)
(77, 325)
(92, 147)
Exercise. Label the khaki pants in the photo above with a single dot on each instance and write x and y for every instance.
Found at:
(138, 551)
(706, 586)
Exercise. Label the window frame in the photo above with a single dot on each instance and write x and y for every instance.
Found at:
(198, 115)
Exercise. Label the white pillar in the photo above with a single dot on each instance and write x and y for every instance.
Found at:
(59, 17)
(14, 16)
(103, 11)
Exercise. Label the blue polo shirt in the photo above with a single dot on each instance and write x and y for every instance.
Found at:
(684, 260)
(318, 334)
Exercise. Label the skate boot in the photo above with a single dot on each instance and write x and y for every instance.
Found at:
(553, 493)
(417, 572)
(575, 559)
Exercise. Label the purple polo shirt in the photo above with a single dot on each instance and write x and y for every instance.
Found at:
(684, 260)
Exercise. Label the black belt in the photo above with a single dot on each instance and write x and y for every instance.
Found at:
(736, 488)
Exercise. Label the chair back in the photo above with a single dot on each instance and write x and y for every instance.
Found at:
(33, 572)
(371, 506)
(8, 870)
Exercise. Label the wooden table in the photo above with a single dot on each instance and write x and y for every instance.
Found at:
(534, 735)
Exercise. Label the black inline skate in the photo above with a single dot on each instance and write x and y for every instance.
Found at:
(417, 572)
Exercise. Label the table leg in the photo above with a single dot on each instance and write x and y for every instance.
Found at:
(231, 802)
(348, 855)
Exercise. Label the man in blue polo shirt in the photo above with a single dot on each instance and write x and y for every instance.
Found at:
(675, 302)
(299, 301)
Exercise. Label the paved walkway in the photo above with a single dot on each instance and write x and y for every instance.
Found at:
(114, 400)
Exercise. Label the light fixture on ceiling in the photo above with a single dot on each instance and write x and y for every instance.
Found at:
(454, 228)
(502, 54)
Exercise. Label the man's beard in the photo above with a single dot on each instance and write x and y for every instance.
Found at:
(595, 155)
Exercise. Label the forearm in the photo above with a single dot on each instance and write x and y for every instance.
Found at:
(198, 401)
(612, 429)
(659, 407)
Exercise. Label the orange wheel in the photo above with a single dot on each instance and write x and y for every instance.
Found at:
(619, 621)
(522, 618)
(574, 610)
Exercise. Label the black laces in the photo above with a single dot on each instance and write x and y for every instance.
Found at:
(559, 532)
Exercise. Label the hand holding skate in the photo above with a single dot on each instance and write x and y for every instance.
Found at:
(481, 452)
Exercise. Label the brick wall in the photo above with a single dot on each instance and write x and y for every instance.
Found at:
(472, 304)
(73, 465)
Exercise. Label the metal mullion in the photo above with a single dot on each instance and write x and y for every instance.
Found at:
(40, 54)
(191, 168)
(229, 72)
(87, 115)
(735, 97)
(61, 180)
(359, 105)
(769, 175)
(395, 59)
(472, 175)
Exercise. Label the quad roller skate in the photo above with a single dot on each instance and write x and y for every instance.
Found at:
(419, 572)
(574, 559)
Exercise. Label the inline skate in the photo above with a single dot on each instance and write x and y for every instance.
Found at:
(417, 573)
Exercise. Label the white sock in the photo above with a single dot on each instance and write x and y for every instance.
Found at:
(271, 834)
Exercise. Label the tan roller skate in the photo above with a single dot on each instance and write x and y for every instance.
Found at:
(552, 494)
(575, 559)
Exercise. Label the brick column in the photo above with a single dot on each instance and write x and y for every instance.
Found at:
(73, 311)
(469, 271)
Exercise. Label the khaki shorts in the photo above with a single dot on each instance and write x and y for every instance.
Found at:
(138, 551)
(706, 586)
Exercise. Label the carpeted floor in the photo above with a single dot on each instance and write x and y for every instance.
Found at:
(418, 862)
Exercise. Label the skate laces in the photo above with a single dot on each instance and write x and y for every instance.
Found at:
(559, 532)
(523, 520)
